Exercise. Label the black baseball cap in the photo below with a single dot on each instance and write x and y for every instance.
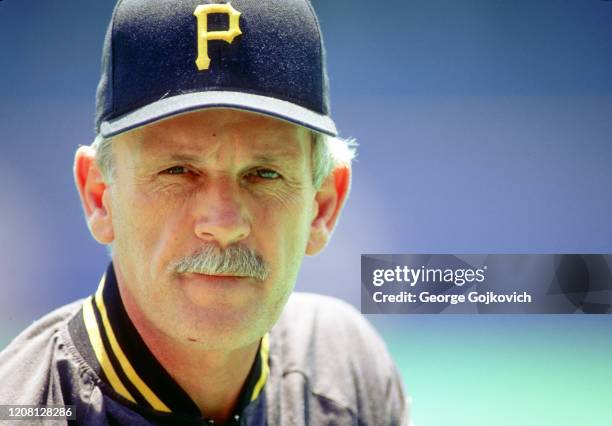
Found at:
(167, 57)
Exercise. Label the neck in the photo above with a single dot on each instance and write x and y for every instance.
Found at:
(213, 379)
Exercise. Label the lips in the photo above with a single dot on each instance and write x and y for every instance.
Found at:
(205, 278)
(217, 291)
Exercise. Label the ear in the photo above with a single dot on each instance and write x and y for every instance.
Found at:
(95, 195)
(328, 205)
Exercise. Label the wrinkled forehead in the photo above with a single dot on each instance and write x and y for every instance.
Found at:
(203, 132)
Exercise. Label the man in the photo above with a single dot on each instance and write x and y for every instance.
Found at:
(214, 170)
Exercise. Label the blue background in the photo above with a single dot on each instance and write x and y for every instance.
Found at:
(484, 127)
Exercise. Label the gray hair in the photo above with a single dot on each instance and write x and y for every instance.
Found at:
(328, 153)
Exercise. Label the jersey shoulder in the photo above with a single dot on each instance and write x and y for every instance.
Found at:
(341, 356)
(26, 363)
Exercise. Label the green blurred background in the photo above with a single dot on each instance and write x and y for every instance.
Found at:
(504, 370)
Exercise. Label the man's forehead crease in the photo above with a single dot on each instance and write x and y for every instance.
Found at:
(155, 147)
(162, 148)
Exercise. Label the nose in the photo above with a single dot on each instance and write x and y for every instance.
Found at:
(221, 217)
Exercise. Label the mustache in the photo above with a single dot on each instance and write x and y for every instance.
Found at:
(235, 260)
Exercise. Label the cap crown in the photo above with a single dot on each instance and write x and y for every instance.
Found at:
(151, 47)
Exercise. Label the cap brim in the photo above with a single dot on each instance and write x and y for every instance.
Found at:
(181, 104)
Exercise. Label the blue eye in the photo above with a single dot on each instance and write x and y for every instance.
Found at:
(267, 174)
(175, 170)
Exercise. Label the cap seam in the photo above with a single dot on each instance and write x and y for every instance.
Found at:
(321, 54)
(112, 55)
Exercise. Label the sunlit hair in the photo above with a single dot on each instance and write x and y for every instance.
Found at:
(328, 153)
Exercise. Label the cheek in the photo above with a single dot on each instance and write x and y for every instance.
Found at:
(146, 227)
(281, 230)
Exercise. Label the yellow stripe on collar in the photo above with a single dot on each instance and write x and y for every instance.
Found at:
(127, 368)
(95, 339)
(265, 369)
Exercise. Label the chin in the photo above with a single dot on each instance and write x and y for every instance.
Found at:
(220, 327)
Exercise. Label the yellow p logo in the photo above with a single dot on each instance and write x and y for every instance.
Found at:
(201, 13)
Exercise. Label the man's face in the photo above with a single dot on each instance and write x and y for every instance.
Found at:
(219, 178)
